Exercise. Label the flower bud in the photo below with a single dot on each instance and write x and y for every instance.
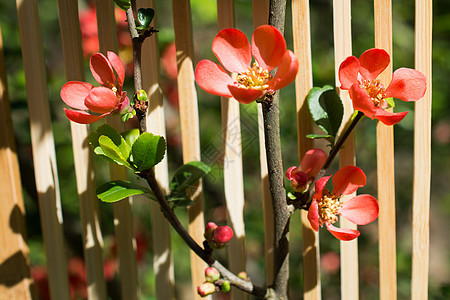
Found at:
(225, 287)
(209, 230)
(141, 95)
(222, 236)
(242, 275)
(299, 179)
(206, 288)
(211, 274)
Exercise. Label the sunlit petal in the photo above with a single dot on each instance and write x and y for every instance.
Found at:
(232, 49)
(73, 93)
(361, 210)
(286, 72)
(343, 234)
(347, 180)
(268, 46)
(245, 96)
(213, 78)
(407, 85)
(102, 70)
(101, 100)
(348, 72)
(81, 117)
(373, 62)
(313, 215)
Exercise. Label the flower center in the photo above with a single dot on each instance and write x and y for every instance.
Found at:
(375, 90)
(329, 206)
(254, 77)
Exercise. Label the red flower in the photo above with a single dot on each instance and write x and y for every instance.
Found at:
(310, 166)
(102, 101)
(359, 76)
(326, 205)
(233, 50)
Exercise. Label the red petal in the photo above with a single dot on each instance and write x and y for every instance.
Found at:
(407, 85)
(343, 234)
(361, 210)
(213, 78)
(347, 180)
(268, 46)
(320, 185)
(373, 62)
(348, 72)
(102, 70)
(118, 66)
(73, 93)
(81, 117)
(290, 171)
(389, 118)
(361, 101)
(287, 70)
(245, 96)
(313, 215)
(313, 161)
(233, 50)
(101, 100)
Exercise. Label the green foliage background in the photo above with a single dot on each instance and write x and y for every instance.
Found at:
(203, 19)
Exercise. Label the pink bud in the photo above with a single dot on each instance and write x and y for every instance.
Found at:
(209, 230)
(299, 179)
(206, 288)
(243, 275)
(222, 235)
(211, 274)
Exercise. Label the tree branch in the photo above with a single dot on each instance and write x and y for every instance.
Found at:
(275, 172)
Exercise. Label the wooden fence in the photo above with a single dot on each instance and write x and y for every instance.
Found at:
(15, 280)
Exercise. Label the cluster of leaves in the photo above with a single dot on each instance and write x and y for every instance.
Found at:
(141, 152)
(144, 15)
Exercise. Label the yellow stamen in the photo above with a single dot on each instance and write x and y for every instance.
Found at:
(329, 206)
(254, 77)
(375, 90)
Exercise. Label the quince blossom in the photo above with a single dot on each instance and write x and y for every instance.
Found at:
(326, 205)
(368, 95)
(102, 101)
(234, 52)
(310, 166)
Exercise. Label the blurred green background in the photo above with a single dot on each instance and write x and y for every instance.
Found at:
(204, 18)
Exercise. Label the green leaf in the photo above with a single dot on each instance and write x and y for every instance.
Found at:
(123, 4)
(117, 139)
(326, 109)
(187, 175)
(314, 136)
(130, 136)
(117, 190)
(111, 150)
(390, 101)
(148, 150)
(145, 16)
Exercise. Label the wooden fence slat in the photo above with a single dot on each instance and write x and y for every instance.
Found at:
(14, 256)
(260, 14)
(232, 165)
(190, 135)
(342, 49)
(123, 218)
(385, 165)
(303, 83)
(91, 233)
(162, 252)
(44, 157)
(422, 155)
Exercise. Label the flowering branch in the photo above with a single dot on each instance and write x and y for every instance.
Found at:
(149, 175)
